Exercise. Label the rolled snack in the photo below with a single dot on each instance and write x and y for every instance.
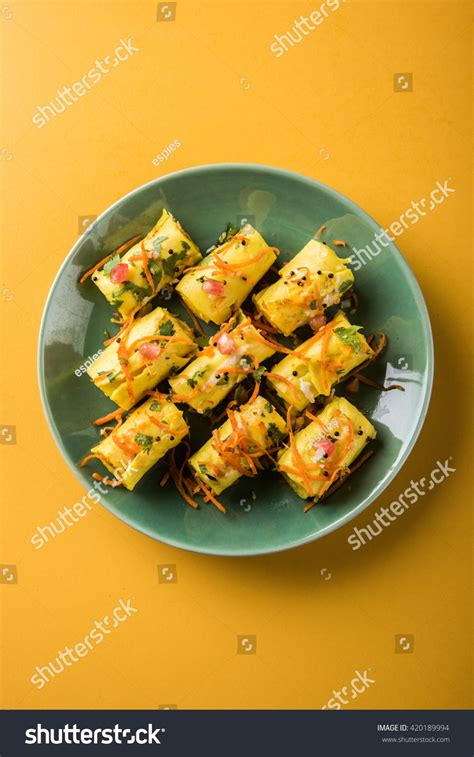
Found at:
(155, 346)
(323, 451)
(215, 288)
(236, 448)
(320, 362)
(312, 281)
(146, 436)
(151, 264)
(233, 353)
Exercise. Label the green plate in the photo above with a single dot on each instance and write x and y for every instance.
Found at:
(264, 514)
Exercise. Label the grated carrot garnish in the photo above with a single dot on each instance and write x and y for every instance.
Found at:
(123, 247)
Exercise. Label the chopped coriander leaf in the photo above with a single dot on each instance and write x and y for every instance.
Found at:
(192, 380)
(349, 336)
(275, 434)
(169, 263)
(145, 441)
(223, 380)
(167, 328)
(313, 304)
(203, 469)
(257, 375)
(157, 242)
(227, 234)
(247, 362)
(138, 292)
(156, 271)
(268, 407)
(202, 341)
(345, 286)
(111, 263)
(155, 406)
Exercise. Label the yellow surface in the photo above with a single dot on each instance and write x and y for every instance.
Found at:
(327, 108)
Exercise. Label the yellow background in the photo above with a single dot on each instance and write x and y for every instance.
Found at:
(328, 109)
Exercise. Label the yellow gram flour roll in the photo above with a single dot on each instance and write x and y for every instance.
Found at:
(146, 436)
(131, 280)
(312, 281)
(320, 362)
(235, 352)
(323, 450)
(157, 345)
(238, 446)
(221, 282)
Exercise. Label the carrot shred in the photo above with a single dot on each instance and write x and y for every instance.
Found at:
(339, 243)
(123, 247)
(115, 414)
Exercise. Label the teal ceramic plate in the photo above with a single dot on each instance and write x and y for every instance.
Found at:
(287, 208)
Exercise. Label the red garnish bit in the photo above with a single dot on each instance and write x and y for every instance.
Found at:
(213, 287)
(119, 273)
(317, 322)
(326, 446)
(225, 344)
(149, 351)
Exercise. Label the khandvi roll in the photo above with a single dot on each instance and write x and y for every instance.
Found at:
(157, 260)
(235, 352)
(320, 362)
(215, 288)
(154, 347)
(146, 436)
(321, 452)
(312, 281)
(238, 447)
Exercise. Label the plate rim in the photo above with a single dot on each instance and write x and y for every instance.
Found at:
(391, 473)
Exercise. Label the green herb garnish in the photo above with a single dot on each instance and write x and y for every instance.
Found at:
(169, 263)
(275, 434)
(202, 341)
(257, 375)
(155, 406)
(111, 263)
(227, 234)
(145, 441)
(345, 286)
(192, 380)
(167, 328)
(349, 336)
